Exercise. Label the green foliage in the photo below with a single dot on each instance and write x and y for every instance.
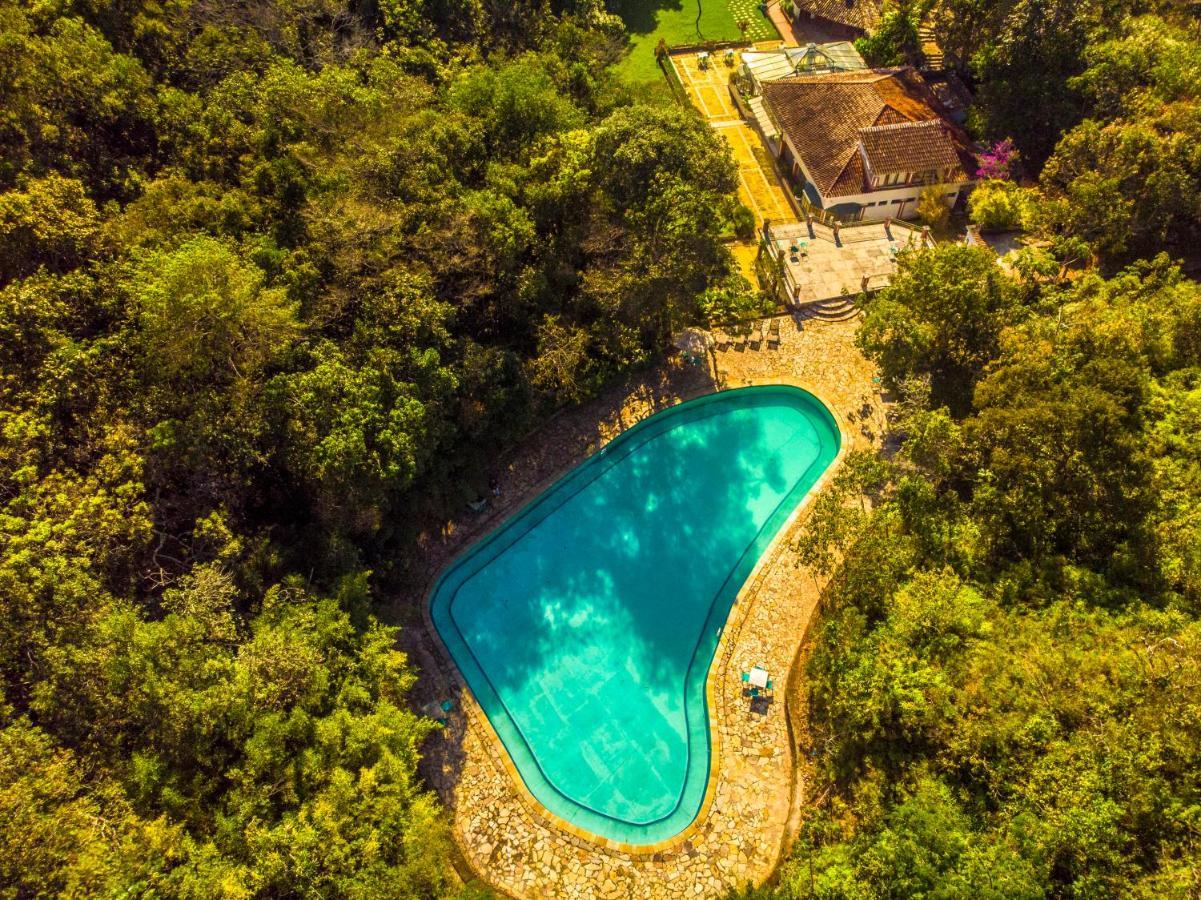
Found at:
(1004, 691)
(998, 205)
(932, 207)
(1023, 54)
(895, 40)
(282, 748)
(734, 301)
(277, 284)
(206, 315)
(743, 221)
(1124, 182)
(940, 319)
(51, 223)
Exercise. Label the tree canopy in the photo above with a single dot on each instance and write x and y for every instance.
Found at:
(277, 284)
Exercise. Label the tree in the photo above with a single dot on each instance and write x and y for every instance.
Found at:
(51, 223)
(1023, 54)
(895, 40)
(998, 205)
(282, 749)
(206, 315)
(940, 318)
(1003, 689)
(932, 207)
(1126, 186)
(560, 368)
(999, 161)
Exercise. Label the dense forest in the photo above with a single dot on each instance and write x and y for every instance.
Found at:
(279, 279)
(1005, 686)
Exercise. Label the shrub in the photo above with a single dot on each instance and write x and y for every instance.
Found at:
(998, 205)
(932, 208)
(743, 222)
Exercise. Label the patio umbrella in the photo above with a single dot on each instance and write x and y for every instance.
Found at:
(693, 340)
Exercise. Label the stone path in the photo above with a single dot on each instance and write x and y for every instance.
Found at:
(759, 186)
(504, 835)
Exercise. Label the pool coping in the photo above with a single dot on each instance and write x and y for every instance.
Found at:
(739, 612)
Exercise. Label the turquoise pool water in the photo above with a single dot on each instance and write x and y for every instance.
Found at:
(585, 624)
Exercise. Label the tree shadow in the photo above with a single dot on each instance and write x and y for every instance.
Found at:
(641, 16)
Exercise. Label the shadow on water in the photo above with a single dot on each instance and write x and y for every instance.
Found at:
(586, 624)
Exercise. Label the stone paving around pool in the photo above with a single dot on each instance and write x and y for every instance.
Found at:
(504, 836)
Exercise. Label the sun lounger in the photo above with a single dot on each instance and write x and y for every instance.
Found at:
(773, 333)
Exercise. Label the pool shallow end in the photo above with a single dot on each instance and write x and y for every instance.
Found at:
(514, 751)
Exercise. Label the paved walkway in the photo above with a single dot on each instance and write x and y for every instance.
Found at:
(708, 88)
(804, 30)
(759, 186)
(783, 24)
(505, 837)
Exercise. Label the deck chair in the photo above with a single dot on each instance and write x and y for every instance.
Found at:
(740, 336)
(757, 335)
(773, 333)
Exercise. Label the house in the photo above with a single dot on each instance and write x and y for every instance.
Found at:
(849, 17)
(864, 145)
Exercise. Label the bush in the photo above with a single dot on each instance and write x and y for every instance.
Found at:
(998, 205)
(743, 222)
(932, 208)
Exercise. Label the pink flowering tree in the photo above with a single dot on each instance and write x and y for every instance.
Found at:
(998, 161)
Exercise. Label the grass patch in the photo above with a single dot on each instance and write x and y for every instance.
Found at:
(675, 21)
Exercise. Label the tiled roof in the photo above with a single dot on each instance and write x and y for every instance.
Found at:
(909, 147)
(861, 14)
(823, 115)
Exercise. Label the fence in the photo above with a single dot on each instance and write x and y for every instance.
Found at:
(673, 78)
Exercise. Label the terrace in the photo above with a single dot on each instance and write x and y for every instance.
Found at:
(809, 262)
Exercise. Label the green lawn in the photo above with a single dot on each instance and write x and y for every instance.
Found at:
(675, 22)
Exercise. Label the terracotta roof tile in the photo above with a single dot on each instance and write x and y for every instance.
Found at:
(823, 117)
(861, 14)
(909, 147)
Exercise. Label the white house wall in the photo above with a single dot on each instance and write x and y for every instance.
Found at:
(887, 202)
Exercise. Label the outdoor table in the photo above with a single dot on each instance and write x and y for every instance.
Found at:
(758, 677)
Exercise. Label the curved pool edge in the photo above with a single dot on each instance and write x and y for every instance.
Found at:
(474, 714)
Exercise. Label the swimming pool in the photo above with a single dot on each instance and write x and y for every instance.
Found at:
(585, 624)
